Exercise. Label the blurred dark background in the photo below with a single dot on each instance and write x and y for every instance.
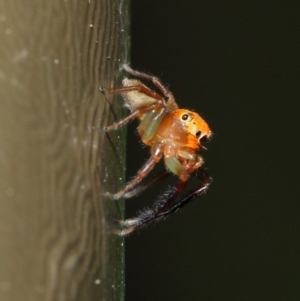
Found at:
(237, 64)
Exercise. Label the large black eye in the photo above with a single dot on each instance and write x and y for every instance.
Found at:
(204, 139)
(198, 134)
(185, 117)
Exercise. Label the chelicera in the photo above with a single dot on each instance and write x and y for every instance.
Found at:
(173, 134)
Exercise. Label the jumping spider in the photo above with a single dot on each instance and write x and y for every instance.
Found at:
(172, 133)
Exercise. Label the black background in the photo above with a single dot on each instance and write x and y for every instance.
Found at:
(237, 64)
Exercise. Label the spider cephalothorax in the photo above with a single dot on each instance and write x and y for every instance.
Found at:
(173, 134)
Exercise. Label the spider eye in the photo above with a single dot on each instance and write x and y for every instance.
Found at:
(198, 134)
(204, 139)
(185, 117)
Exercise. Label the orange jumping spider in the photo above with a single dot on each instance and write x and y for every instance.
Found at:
(172, 133)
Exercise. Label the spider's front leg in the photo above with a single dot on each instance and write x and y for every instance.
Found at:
(141, 174)
(138, 190)
(165, 207)
(122, 122)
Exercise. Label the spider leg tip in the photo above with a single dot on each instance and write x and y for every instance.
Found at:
(126, 67)
(109, 195)
(123, 231)
(119, 222)
(118, 232)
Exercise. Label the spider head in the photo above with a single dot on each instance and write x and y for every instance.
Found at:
(195, 126)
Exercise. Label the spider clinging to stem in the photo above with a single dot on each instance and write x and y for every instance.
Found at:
(172, 133)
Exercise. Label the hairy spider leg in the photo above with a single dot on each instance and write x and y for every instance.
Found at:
(137, 112)
(130, 117)
(146, 216)
(161, 210)
(122, 122)
(137, 88)
(141, 174)
(156, 81)
(158, 178)
(148, 127)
